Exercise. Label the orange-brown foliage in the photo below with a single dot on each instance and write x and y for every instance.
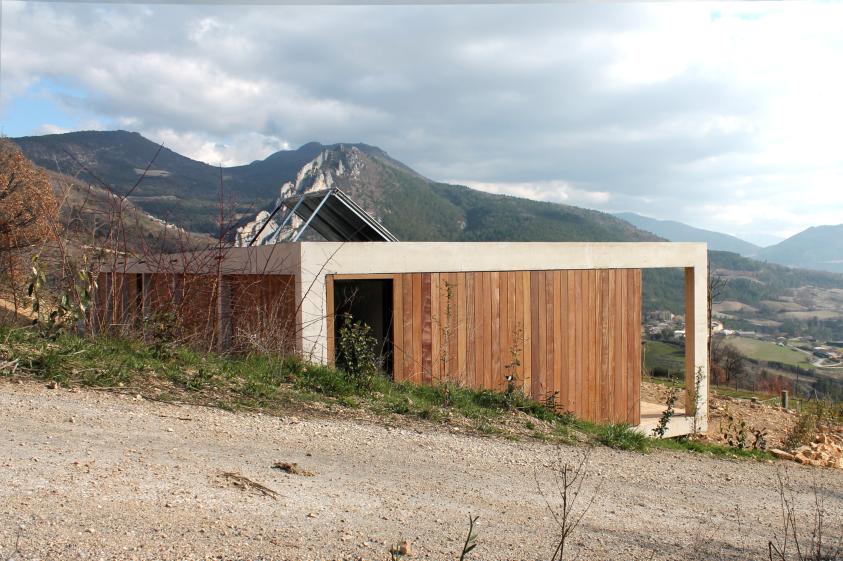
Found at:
(28, 209)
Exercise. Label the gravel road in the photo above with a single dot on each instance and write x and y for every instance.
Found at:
(92, 475)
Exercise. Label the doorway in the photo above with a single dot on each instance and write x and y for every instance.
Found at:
(368, 301)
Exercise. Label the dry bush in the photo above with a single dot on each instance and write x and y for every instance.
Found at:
(28, 212)
(571, 499)
(27, 204)
(804, 536)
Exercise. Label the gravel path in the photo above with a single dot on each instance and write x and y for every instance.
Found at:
(90, 475)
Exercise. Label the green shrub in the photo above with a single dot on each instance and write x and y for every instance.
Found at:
(623, 437)
(358, 354)
(661, 428)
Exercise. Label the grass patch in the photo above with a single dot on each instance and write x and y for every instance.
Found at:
(275, 384)
(664, 355)
(768, 351)
(176, 373)
(623, 437)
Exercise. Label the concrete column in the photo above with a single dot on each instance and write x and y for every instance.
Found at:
(696, 344)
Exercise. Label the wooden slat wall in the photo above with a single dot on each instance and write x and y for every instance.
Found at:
(262, 305)
(572, 336)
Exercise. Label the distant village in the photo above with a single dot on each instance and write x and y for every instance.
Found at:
(664, 325)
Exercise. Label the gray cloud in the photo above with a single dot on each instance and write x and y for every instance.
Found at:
(693, 112)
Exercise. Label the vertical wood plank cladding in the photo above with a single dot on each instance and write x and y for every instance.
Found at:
(588, 336)
(418, 305)
(398, 328)
(445, 332)
(488, 377)
(511, 352)
(495, 338)
(505, 345)
(527, 325)
(435, 290)
(519, 333)
(558, 339)
(550, 386)
(611, 303)
(605, 376)
(594, 315)
(462, 335)
(426, 333)
(577, 326)
(480, 364)
(624, 363)
(535, 386)
(452, 311)
(470, 331)
(574, 332)
(620, 383)
(577, 332)
(571, 362)
(409, 353)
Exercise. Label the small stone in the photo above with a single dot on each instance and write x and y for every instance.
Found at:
(402, 548)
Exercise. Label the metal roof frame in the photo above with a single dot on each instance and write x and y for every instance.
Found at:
(332, 214)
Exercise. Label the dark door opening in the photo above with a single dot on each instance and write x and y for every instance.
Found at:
(368, 301)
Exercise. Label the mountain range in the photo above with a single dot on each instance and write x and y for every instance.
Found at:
(679, 232)
(818, 248)
(189, 194)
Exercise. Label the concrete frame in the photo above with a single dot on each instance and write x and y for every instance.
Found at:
(310, 262)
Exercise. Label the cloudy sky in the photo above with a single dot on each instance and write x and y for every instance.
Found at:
(724, 116)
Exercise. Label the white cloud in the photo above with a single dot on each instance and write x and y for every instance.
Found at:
(726, 116)
(556, 191)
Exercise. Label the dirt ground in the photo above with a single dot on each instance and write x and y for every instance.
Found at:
(92, 475)
(773, 420)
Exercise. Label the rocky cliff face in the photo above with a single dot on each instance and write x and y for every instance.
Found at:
(343, 166)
